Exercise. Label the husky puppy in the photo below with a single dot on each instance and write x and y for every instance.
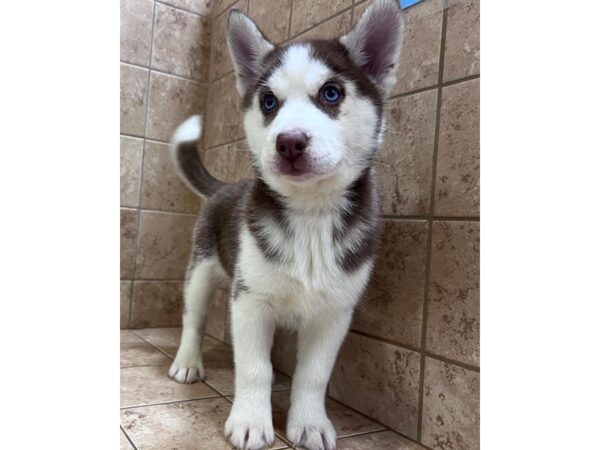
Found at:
(298, 242)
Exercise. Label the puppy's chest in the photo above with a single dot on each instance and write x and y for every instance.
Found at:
(309, 253)
(307, 274)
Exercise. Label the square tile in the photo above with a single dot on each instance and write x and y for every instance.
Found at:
(171, 101)
(156, 304)
(283, 353)
(230, 162)
(307, 13)
(129, 219)
(125, 303)
(164, 245)
(202, 7)
(334, 28)
(151, 384)
(136, 352)
(420, 54)
(393, 305)
(345, 421)
(272, 17)
(224, 117)
(132, 150)
(162, 188)
(136, 31)
(405, 160)
(450, 407)
(190, 425)
(220, 60)
(462, 40)
(134, 90)
(380, 380)
(453, 305)
(216, 324)
(457, 175)
(181, 43)
(384, 440)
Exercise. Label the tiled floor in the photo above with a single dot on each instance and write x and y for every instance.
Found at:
(157, 413)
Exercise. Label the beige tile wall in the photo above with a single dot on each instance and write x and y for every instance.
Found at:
(411, 361)
(165, 50)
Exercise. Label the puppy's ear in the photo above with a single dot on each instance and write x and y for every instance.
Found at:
(247, 46)
(375, 41)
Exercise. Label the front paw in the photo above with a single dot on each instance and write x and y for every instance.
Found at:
(311, 432)
(187, 370)
(249, 429)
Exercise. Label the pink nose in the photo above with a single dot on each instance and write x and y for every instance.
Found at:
(292, 144)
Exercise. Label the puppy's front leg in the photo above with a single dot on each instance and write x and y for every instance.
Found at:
(250, 425)
(318, 344)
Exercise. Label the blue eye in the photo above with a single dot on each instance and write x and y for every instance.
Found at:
(269, 102)
(331, 94)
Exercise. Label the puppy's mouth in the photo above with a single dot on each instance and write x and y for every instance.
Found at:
(299, 167)
(301, 170)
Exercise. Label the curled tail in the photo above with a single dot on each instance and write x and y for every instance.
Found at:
(184, 153)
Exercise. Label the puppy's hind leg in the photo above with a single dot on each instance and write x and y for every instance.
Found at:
(199, 290)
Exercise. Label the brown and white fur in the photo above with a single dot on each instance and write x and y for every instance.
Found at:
(297, 243)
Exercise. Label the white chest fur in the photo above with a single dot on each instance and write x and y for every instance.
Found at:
(308, 281)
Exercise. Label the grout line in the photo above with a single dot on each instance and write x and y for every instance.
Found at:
(169, 402)
(223, 75)
(386, 340)
(142, 365)
(413, 92)
(383, 429)
(432, 87)
(223, 144)
(225, 10)
(426, 353)
(128, 438)
(166, 280)
(151, 140)
(312, 27)
(462, 365)
(139, 214)
(162, 72)
(157, 141)
(430, 224)
(215, 389)
(461, 80)
(131, 136)
(163, 211)
(435, 218)
(290, 21)
(182, 9)
(155, 346)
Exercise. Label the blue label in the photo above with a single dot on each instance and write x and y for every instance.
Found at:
(407, 3)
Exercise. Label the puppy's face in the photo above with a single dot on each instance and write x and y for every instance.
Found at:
(307, 119)
(313, 110)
